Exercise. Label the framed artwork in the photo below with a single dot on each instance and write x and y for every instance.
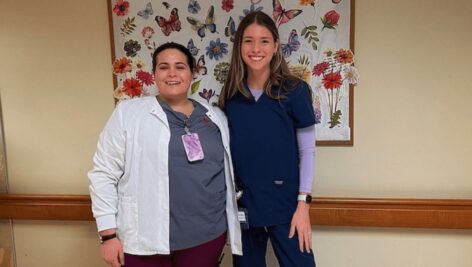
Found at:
(316, 38)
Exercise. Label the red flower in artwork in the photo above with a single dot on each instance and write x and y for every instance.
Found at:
(121, 8)
(344, 56)
(145, 77)
(332, 81)
(320, 68)
(132, 87)
(122, 65)
(330, 19)
(227, 5)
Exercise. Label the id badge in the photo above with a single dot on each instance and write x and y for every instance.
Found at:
(242, 217)
(193, 147)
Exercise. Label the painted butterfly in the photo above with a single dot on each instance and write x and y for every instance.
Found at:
(166, 5)
(146, 12)
(230, 30)
(251, 9)
(209, 23)
(293, 44)
(193, 6)
(172, 24)
(281, 15)
(200, 68)
(192, 48)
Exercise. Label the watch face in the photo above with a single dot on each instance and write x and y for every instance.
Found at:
(308, 199)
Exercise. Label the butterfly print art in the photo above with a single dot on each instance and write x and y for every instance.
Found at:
(230, 29)
(192, 48)
(166, 5)
(209, 23)
(281, 15)
(200, 68)
(293, 44)
(146, 12)
(171, 24)
(193, 7)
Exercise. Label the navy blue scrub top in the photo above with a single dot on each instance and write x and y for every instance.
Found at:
(265, 152)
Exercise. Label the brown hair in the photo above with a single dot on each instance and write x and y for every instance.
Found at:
(237, 70)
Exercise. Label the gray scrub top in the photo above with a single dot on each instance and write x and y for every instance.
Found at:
(197, 189)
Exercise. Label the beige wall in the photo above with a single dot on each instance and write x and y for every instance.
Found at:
(412, 130)
(412, 124)
(56, 86)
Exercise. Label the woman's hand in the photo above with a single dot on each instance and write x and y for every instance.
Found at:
(301, 224)
(112, 250)
(112, 253)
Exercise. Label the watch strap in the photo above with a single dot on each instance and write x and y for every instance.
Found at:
(106, 237)
(304, 197)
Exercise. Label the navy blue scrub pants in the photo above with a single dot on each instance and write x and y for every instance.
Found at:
(286, 249)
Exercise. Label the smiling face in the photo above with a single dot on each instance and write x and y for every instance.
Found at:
(173, 75)
(257, 49)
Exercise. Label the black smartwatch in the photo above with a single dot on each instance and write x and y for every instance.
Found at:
(106, 237)
(306, 198)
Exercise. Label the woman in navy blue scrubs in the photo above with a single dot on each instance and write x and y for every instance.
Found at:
(271, 121)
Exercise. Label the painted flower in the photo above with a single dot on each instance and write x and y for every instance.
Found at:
(332, 81)
(335, 70)
(301, 71)
(147, 32)
(119, 94)
(344, 56)
(227, 5)
(221, 71)
(320, 68)
(122, 65)
(121, 8)
(193, 7)
(134, 79)
(351, 75)
(317, 109)
(330, 19)
(207, 94)
(131, 47)
(132, 87)
(216, 49)
(151, 46)
(145, 77)
(139, 64)
(307, 2)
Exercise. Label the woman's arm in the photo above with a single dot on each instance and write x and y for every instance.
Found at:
(108, 167)
(301, 218)
(306, 152)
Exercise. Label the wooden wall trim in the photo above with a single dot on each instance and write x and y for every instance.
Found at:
(366, 212)
(410, 213)
(45, 207)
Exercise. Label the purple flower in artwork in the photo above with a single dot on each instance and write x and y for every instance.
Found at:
(216, 49)
(317, 115)
(207, 94)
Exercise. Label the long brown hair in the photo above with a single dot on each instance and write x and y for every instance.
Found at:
(237, 69)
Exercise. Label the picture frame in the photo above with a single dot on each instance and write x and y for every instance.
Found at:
(316, 37)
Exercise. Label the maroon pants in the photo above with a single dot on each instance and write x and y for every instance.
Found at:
(204, 255)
